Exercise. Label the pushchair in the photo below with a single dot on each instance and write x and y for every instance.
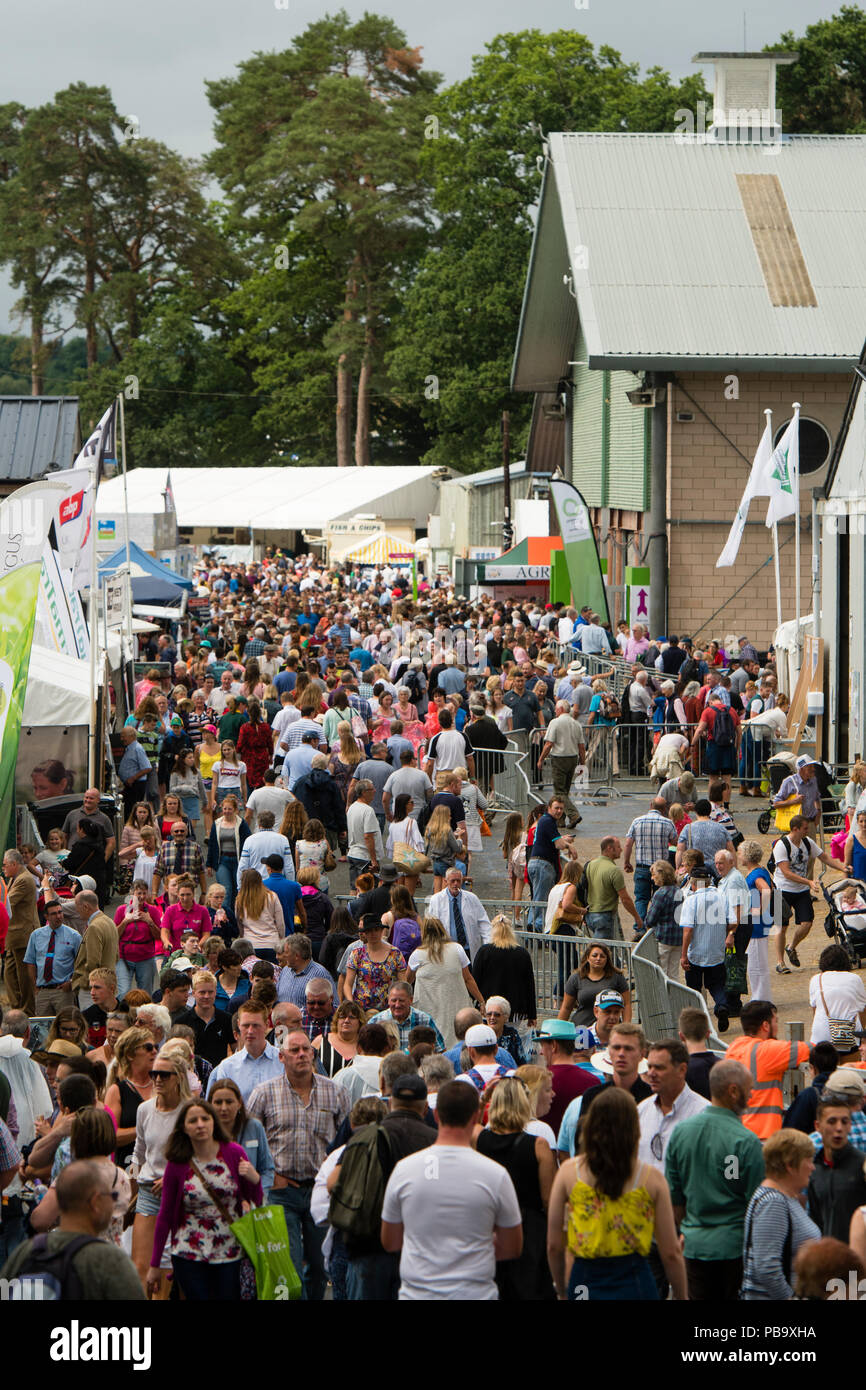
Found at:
(851, 937)
(784, 765)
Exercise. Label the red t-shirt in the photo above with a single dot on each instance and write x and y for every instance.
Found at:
(709, 718)
(569, 1082)
(176, 922)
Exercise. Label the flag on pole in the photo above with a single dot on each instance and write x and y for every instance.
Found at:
(756, 486)
(581, 551)
(73, 518)
(783, 475)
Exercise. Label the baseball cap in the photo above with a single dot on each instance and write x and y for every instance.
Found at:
(609, 999)
(805, 761)
(182, 963)
(479, 1035)
(846, 1081)
(409, 1086)
(86, 882)
(209, 645)
(176, 721)
(211, 728)
(557, 1028)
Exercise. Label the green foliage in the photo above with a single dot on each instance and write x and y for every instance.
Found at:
(824, 92)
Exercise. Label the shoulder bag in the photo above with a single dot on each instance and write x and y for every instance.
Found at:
(841, 1029)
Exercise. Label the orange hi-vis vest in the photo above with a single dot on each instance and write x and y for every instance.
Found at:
(768, 1061)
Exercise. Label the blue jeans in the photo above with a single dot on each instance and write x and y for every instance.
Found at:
(612, 1278)
(643, 888)
(227, 875)
(374, 1278)
(600, 925)
(542, 877)
(338, 1268)
(305, 1239)
(135, 974)
(201, 1282)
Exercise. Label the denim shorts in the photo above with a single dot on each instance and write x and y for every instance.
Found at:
(146, 1204)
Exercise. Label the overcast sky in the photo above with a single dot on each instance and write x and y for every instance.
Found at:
(156, 55)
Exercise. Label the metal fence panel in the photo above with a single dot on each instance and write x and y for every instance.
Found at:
(554, 958)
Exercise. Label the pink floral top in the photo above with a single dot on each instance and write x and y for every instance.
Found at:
(203, 1234)
(373, 979)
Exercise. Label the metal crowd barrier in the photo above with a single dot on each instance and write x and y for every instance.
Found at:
(554, 958)
(602, 763)
(511, 790)
(597, 665)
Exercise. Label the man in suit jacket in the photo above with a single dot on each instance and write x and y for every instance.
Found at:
(23, 919)
(98, 949)
(457, 908)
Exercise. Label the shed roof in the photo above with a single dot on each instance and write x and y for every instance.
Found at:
(35, 433)
(671, 269)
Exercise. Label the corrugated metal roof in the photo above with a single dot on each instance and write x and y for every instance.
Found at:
(489, 475)
(664, 265)
(549, 311)
(545, 448)
(36, 431)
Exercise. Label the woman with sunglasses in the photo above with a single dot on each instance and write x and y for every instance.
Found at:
(154, 1125)
(134, 1052)
(208, 1184)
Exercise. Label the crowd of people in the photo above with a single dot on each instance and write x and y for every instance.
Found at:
(283, 983)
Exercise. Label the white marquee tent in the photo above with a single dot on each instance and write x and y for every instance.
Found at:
(276, 499)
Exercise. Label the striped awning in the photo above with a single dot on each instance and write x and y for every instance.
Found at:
(378, 549)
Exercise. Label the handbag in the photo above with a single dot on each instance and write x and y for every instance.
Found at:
(408, 857)
(841, 1029)
(262, 1233)
(735, 972)
(784, 816)
(485, 828)
(330, 861)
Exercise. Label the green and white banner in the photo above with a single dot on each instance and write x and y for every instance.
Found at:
(581, 551)
(24, 521)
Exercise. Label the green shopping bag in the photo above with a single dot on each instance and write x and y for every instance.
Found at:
(264, 1237)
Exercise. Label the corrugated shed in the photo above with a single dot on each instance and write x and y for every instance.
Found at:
(628, 465)
(586, 430)
(35, 432)
(664, 264)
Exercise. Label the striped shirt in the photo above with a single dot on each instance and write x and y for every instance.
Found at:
(293, 736)
(652, 835)
(298, 1134)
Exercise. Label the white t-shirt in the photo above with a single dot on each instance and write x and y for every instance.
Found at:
(540, 1130)
(799, 860)
(229, 776)
(274, 799)
(360, 821)
(449, 749)
(449, 1199)
(845, 994)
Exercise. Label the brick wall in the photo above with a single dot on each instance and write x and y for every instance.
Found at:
(706, 478)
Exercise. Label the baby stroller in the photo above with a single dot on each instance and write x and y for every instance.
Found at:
(846, 927)
(784, 765)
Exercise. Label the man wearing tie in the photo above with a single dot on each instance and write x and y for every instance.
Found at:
(50, 961)
(461, 913)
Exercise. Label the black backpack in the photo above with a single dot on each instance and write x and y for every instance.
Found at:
(51, 1277)
(723, 728)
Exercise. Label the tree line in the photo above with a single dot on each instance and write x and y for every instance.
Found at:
(352, 293)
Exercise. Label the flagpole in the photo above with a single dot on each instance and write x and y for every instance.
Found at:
(92, 744)
(769, 415)
(796, 489)
(126, 535)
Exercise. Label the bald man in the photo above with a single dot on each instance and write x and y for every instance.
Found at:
(564, 745)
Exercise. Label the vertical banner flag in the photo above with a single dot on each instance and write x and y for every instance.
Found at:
(24, 521)
(579, 547)
(783, 474)
(74, 519)
(755, 487)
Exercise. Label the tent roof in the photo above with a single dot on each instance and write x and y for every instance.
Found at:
(58, 690)
(376, 550)
(146, 564)
(277, 499)
(149, 589)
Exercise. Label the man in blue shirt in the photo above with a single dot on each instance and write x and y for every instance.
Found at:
(133, 770)
(543, 856)
(50, 960)
(708, 930)
(286, 889)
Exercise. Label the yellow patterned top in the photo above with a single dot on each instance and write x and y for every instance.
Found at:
(603, 1227)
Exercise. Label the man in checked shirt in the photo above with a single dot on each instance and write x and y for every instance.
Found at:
(301, 1113)
(650, 836)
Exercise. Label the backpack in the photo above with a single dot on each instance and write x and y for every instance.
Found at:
(723, 728)
(412, 682)
(610, 707)
(51, 1277)
(356, 1200)
(517, 858)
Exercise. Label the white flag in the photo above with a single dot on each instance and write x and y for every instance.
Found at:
(783, 475)
(755, 487)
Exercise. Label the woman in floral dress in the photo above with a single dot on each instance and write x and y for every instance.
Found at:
(372, 967)
(208, 1183)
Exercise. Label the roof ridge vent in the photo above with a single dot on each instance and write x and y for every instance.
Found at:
(744, 97)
